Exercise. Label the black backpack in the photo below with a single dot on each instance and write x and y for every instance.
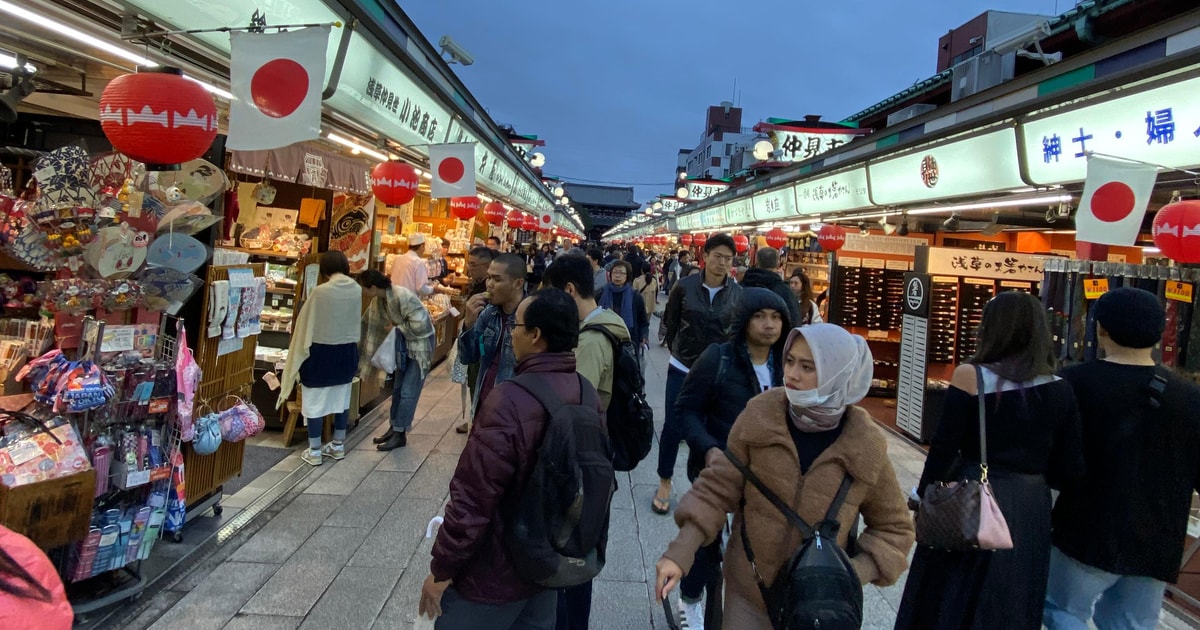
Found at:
(558, 532)
(817, 588)
(630, 418)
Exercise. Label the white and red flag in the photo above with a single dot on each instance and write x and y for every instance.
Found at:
(453, 168)
(1115, 196)
(276, 80)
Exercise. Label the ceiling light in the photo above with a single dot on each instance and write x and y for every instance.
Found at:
(999, 203)
(9, 62)
(211, 89)
(354, 146)
(72, 33)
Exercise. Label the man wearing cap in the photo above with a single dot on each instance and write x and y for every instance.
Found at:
(409, 269)
(1119, 533)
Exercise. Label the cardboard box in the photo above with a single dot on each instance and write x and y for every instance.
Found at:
(51, 513)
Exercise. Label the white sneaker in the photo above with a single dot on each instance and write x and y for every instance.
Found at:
(311, 457)
(336, 451)
(691, 615)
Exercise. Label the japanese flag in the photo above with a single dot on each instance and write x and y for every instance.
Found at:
(1114, 201)
(277, 80)
(453, 167)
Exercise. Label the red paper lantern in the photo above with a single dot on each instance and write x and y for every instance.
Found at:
(464, 208)
(530, 222)
(741, 243)
(832, 237)
(776, 238)
(685, 239)
(515, 219)
(1177, 231)
(158, 117)
(493, 212)
(699, 239)
(394, 183)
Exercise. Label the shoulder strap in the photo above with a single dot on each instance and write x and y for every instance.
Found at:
(981, 394)
(538, 389)
(603, 330)
(805, 529)
(836, 506)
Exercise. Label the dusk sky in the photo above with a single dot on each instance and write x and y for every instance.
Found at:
(616, 88)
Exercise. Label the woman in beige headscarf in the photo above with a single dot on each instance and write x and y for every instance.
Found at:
(801, 440)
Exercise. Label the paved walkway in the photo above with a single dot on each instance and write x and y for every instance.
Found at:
(346, 547)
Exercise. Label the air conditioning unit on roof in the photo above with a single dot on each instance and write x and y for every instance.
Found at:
(983, 71)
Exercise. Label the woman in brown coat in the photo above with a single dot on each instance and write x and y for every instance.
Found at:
(801, 440)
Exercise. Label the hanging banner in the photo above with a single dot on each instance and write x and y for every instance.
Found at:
(795, 143)
(351, 228)
(948, 261)
(839, 192)
(699, 190)
(774, 205)
(973, 165)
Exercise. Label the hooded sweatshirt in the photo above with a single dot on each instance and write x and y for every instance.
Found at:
(767, 279)
(594, 354)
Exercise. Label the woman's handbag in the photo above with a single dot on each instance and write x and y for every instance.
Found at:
(963, 515)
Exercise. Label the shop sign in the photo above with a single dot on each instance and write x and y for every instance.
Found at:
(739, 211)
(796, 144)
(833, 193)
(995, 265)
(774, 205)
(684, 221)
(701, 190)
(376, 93)
(972, 166)
(985, 246)
(1159, 125)
(672, 204)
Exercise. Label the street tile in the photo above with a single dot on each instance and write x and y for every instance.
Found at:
(401, 608)
(299, 583)
(432, 480)
(370, 500)
(354, 599)
(409, 458)
(215, 600)
(396, 536)
(620, 606)
(342, 477)
(262, 622)
(453, 442)
(276, 541)
(625, 562)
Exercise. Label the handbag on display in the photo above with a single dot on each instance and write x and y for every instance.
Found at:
(240, 422)
(208, 435)
(964, 515)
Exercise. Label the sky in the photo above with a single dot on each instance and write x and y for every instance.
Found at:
(617, 87)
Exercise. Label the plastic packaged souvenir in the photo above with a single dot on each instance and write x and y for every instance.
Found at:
(168, 289)
(72, 295)
(122, 295)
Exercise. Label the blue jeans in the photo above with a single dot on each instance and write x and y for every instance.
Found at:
(1078, 592)
(317, 425)
(536, 613)
(668, 442)
(406, 387)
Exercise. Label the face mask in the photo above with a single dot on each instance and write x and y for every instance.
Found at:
(805, 398)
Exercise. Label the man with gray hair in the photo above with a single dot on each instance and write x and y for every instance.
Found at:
(765, 275)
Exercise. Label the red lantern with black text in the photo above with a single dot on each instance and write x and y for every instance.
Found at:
(493, 212)
(1177, 231)
(530, 222)
(157, 117)
(741, 243)
(776, 238)
(832, 237)
(394, 183)
(515, 219)
(464, 208)
(685, 239)
(699, 239)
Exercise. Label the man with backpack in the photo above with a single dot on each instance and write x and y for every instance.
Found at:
(536, 464)
(717, 388)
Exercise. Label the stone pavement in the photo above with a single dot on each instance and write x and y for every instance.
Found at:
(346, 547)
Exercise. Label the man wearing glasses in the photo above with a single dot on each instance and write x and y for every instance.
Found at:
(700, 312)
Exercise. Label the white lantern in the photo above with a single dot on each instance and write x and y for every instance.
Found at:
(558, 191)
(682, 193)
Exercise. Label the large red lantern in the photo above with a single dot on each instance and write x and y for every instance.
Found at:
(1177, 231)
(685, 239)
(493, 212)
(699, 239)
(530, 222)
(832, 237)
(776, 238)
(741, 243)
(464, 208)
(158, 117)
(515, 219)
(394, 183)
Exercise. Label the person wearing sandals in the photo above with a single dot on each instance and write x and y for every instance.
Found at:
(323, 356)
(395, 306)
(1033, 445)
(716, 390)
(802, 441)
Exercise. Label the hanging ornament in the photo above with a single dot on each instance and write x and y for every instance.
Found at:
(699, 239)
(741, 243)
(685, 239)
(1177, 231)
(832, 237)
(464, 208)
(394, 183)
(493, 212)
(529, 222)
(776, 238)
(158, 117)
(515, 219)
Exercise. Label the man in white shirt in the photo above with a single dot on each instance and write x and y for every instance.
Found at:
(409, 270)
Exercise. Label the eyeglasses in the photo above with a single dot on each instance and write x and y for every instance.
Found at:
(524, 325)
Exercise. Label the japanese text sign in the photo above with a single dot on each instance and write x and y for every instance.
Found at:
(980, 264)
(970, 166)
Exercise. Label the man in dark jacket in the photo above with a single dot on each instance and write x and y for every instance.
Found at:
(716, 390)
(470, 550)
(1119, 534)
(478, 261)
(699, 312)
(765, 275)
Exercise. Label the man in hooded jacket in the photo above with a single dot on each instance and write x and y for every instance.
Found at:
(716, 390)
(765, 275)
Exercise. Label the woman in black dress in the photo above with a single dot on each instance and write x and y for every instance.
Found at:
(1033, 442)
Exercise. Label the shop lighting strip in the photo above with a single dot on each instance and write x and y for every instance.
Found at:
(354, 146)
(73, 33)
(998, 203)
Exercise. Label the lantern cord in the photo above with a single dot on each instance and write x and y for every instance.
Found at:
(228, 29)
(1162, 166)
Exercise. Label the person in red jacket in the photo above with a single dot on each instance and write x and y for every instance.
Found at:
(472, 581)
(31, 594)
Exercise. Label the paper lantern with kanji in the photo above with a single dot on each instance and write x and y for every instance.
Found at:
(158, 117)
(394, 183)
(741, 243)
(530, 222)
(832, 237)
(1177, 231)
(699, 239)
(493, 212)
(515, 219)
(464, 208)
(685, 239)
(776, 238)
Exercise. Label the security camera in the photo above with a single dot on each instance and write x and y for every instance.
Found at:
(456, 52)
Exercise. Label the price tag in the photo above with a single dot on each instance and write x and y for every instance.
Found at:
(1179, 291)
(159, 405)
(1094, 288)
